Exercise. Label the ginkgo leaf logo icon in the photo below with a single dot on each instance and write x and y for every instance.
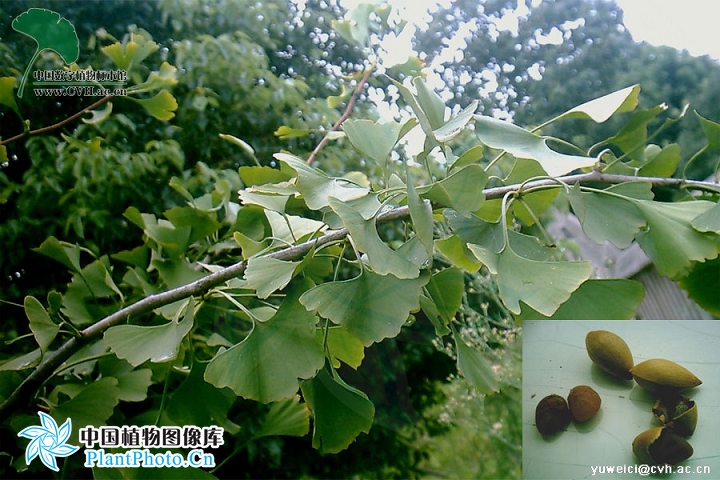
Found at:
(51, 32)
(48, 441)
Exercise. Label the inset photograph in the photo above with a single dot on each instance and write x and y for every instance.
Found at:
(621, 399)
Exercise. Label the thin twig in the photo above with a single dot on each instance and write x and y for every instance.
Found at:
(199, 287)
(343, 117)
(63, 122)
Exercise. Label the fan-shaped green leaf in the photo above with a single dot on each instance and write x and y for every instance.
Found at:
(589, 302)
(430, 102)
(670, 240)
(93, 405)
(42, 326)
(708, 221)
(196, 402)
(268, 364)
(7, 94)
(125, 56)
(316, 187)
(605, 217)
(372, 307)
(340, 412)
(421, 215)
(703, 284)
(712, 131)
(662, 164)
(374, 139)
(543, 285)
(522, 144)
(446, 289)
(381, 258)
(462, 190)
(159, 343)
(601, 109)
(162, 106)
(99, 116)
(456, 124)
(457, 252)
(289, 417)
(473, 366)
(267, 275)
(634, 134)
(343, 346)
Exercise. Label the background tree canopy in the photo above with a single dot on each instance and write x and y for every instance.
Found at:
(244, 240)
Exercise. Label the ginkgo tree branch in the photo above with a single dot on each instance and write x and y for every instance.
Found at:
(56, 358)
(59, 124)
(346, 113)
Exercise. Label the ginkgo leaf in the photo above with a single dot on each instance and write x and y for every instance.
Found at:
(602, 108)
(430, 102)
(266, 275)
(159, 343)
(51, 32)
(634, 133)
(340, 412)
(42, 326)
(133, 52)
(343, 346)
(446, 288)
(290, 229)
(165, 77)
(458, 253)
(711, 130)
(589, 302)
(371, 306)
(662, 164)
(63, 252)
(316, 187)
(285, 133)
(381, 258)
(374, 139)
(270, 362)
(196, 402)
(162, 106)
(522, 144)
(7, 96)
(261, 175)
(472, 365)
(605, 217)
(543, 285)
(532, 204)
(670, 240)
(288, 417)
(703, 284)
(486, 239)
(708, 221)
(421, 215)
(93, 405)
(99, 116)
(462, 190)
(456, 124)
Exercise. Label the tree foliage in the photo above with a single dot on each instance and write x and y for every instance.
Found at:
(212, 269)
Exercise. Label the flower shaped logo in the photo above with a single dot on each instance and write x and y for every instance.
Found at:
(48, 441)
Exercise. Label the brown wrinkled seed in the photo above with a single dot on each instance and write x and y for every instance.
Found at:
(662, 376)
(610, 353)
(583, 402)
(552, 415)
